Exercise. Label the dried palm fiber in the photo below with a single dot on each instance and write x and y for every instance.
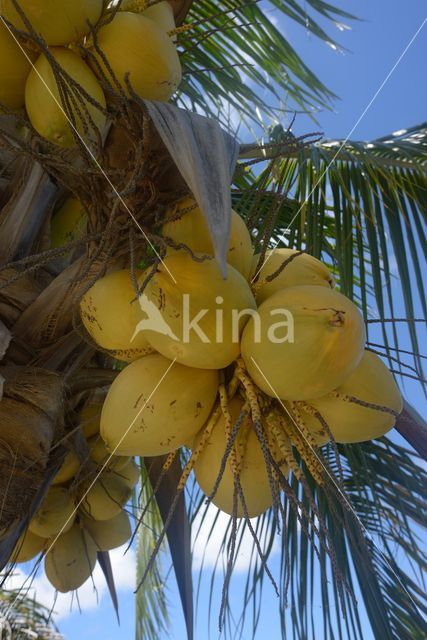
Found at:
(30, 422)
(148, 180)
(16, 296)
(138, 161)
(5, 338)
(23, 216)
(50, 316)
(8, 155)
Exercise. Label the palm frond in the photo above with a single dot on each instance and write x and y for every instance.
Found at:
(358, 206)
(151, 603)
(362, 207)
(24, 617)
(235, 57)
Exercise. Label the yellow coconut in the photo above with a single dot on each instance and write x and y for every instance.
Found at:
(109, 534)
(45, 107)
(14, 70)
(191, 229)
(253, 476)
(303, 269)
(55, 515)
(199, 317)
(100, 454)
(371, 383)
(136, 46)
(304, 343)
(71, 560)
(111, 315)
(68, 224)
(57, 21)
(161, 13)
(28, 547)
(152, 408)
(90, 416)
(69, 468)
(106, 497)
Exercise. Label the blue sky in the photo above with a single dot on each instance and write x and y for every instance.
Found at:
(373, 47)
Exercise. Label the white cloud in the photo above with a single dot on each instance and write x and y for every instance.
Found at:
(207, 547)
(89, 597)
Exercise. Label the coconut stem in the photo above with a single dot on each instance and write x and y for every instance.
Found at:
(363, 403)
(304, 442)
(316, 414)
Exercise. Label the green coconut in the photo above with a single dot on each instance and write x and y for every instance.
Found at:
(130, 473)
(55, 515)
(68, 224)
(71, 559)
(101, 456)
(109, 534)
(106, 497)
(28, 547)
(69, 468)
(90, 417)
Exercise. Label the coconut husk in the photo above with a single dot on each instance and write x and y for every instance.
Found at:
(31, 420)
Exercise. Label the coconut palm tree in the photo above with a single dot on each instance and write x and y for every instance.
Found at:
(347, 202)
(352, 203)
(23, 617)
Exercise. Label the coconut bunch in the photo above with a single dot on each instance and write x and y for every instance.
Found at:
(68, 62)
(84, 511)
(274, 363)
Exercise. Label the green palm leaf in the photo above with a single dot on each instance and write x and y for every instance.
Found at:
(358, 206)
(23, 617)
(151, 604)
(234, 55)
